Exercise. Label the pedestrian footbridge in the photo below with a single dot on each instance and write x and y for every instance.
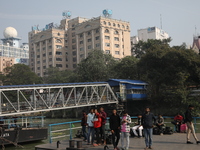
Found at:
(21, 99)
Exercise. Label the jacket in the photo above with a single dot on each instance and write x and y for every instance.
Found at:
(188, 116)
(97, 121)
(90, 120)
(114, 122)
(84, 120)
(103, 117)
(125, 126)
(148, 119)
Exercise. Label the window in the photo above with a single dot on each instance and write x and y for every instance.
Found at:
(38, 50)
(65, 41)
(59, 65)
(81, 35)
(107, 37)
(107, 44)
(50, 47)
(97, 37)
(50, 59)
(66, 59)
(81, 42)
(44, 61)
(107, 51)
(127, 27)
(74, 59)
(43, 48)
(73, 46)
(73, 29)
(66, 35)
(116, 39)
(66, 65)
(116, 32)
(117, 52)
(38, 56)
(122, 26)
(74, 53)
(49, 40)
(73, 34)
(89, 33)
(98, 45)
(73, 40)
(81, 49)
(66, 53)
(58, 41)
(38, 62)
(74, 65)
(43, 42)
(90, 46)
(66, 47)
(38, 68)
(58, 59)
(58, 53)
(89, 40)
(44, 67)
(44, 55)
(106, 31)
(117, 45)
(58, 34)
(50, 53)
(109, 23)
(114, 25)
(82, 55)
(104, 22)
(97, 30)
(58, 46)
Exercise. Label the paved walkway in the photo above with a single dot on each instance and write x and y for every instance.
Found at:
(176, 141)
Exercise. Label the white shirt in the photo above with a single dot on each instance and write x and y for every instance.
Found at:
(90, 119)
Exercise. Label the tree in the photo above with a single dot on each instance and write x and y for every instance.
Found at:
(20, 74)
(96, 67)
(127, 68)
(54, 75)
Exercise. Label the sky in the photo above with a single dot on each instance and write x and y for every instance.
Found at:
(180, 18)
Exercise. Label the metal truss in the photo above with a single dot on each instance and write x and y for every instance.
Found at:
(16, 100)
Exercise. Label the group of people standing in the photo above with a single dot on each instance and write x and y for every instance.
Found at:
(96, 121)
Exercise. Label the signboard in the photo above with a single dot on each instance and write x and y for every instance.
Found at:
(122, 89)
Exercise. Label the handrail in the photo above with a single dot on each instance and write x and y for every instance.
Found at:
(71, 128)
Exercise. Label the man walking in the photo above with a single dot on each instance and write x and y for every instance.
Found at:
(115, 128)
(84, 124)
(103, 116)
(188, 120)
(148, 119)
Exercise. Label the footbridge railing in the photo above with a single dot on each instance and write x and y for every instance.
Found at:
(20, 99)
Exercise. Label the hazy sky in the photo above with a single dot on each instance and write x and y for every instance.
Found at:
(179, 17)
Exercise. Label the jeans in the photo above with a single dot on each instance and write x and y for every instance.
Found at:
(189, 130)
(116, 134)
(102, 131)
(84, 132)
(148, 136)
(91, 133)
(125, 135)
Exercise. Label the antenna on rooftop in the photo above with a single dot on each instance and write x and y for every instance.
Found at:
(195, 33)
(160, 21)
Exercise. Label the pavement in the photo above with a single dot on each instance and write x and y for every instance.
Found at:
(176, 141)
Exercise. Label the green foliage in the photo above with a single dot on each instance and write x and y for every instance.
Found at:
(53, 75)
(20, 74)
(96, 67)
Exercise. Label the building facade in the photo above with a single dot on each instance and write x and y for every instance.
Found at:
(69, 43)
(10, 50)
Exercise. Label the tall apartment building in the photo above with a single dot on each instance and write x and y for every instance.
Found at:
(66, 45)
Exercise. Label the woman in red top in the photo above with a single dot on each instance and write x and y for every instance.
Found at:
(97, 125)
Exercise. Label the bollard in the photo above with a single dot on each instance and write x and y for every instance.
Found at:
(58, 142)
(79, 144)
(71, 143)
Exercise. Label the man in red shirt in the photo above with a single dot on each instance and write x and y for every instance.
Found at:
(178, 120)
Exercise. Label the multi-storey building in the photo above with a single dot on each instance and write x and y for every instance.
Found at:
(66, 45)
(10, 50)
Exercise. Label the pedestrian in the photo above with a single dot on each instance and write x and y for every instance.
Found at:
(97, 125)
(148, 119)
(103, 122)
(125, 130)
(84, 124)
(138, 126)
(115, 128)
(188, 120)
(90, 127)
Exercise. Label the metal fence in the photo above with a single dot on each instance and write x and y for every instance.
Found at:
(68, 129)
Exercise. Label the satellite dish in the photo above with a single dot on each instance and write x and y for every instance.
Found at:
(107, 13)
